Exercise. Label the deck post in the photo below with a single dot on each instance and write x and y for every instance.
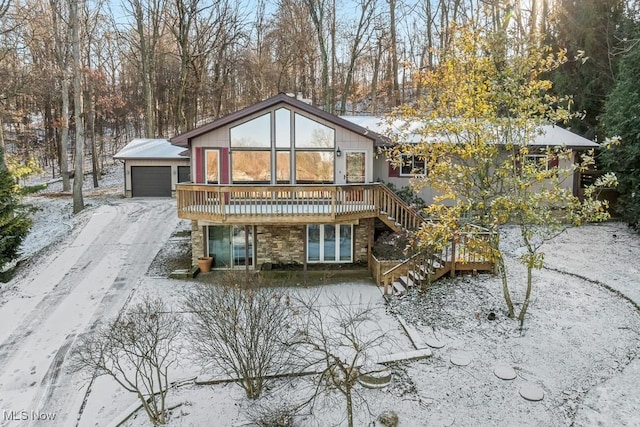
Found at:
(370, 231)
(304, 255)
(453, 256)
(246, 252)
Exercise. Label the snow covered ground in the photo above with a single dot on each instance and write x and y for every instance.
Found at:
(579, 345)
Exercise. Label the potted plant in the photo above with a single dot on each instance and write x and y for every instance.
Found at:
(205, 263)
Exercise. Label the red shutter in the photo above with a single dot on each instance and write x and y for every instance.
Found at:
(224, 165)
(552, 162)
(199, 165)
(393, 172)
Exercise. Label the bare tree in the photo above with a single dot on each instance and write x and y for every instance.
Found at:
(148, 17)
(337, 338)
(367, 9)
(62, 33)
(318, 11)
(242, 331)
(136, 350)
(78, 179)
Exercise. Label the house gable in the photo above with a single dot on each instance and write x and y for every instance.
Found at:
(280, 141)
(270, 104)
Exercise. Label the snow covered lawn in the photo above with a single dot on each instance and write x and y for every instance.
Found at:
(579, 345)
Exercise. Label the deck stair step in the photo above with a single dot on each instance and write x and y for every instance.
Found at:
(416, 276)
(426, 270)
(399, 289)
(436, 263)
(407, 281)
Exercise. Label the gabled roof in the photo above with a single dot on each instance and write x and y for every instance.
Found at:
(550, 135)
(150, 149)
(282, 98)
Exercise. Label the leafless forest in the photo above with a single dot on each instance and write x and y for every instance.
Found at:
(93, 74)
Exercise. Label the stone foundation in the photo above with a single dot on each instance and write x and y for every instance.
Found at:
(279, 244)
(197, 242)
(360, 240)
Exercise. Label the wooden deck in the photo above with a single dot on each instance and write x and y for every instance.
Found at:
(326, 204)
(293, 204)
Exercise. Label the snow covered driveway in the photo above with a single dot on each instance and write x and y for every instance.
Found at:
(84, 280)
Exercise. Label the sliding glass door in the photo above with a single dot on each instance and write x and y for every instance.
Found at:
(232, 246)
(329, 243)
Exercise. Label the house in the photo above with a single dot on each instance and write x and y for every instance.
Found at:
(283, 182)
(153, 167)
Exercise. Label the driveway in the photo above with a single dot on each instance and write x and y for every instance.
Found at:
(85, 280)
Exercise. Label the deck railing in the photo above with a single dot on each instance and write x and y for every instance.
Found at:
(276, 203)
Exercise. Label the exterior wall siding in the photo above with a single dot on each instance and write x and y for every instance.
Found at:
(174, 163)
(381, 173)
(345, 140)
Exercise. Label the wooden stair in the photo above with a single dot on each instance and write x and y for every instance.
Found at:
(423, 268)
(394, 212)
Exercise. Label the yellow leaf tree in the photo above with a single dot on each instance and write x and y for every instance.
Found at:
(480, 109)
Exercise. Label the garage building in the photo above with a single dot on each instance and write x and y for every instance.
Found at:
(153, 167)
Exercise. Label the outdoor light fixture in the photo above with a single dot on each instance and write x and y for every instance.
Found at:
(338, 153)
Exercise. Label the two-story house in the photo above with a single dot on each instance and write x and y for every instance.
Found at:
(283, 182)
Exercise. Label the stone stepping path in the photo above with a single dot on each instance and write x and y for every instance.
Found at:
(531, 392)
(461, 358)
(433, 342)
(505, 372)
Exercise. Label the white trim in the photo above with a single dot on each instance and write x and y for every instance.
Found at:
(321, 258)
(413, 162)
(367, 162)
(206, 164)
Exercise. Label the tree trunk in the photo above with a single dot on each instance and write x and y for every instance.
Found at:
(527, 297)
(3, 163)
(502, 272)
(349, 406)
(78, 202)
(64, 137)
(374, 79)
(395, 86)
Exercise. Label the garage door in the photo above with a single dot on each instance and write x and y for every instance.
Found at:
(151, 181)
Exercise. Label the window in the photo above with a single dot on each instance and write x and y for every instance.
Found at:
(251, 167)
(256, 133)
(283, 128)
(413, 166)
(212, 166)
(314, 167)
(311, 134)
(539, 161)
(282, 147)
(283, 167)
(329, 243)
(542, 161)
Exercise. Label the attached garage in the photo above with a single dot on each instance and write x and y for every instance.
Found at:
(153, 167)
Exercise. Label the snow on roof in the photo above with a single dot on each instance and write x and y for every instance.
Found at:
(150, 149)
(550, 135)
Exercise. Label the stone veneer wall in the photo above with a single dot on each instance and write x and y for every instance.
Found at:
(360, 242)
(279, 244)
(197, 242)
